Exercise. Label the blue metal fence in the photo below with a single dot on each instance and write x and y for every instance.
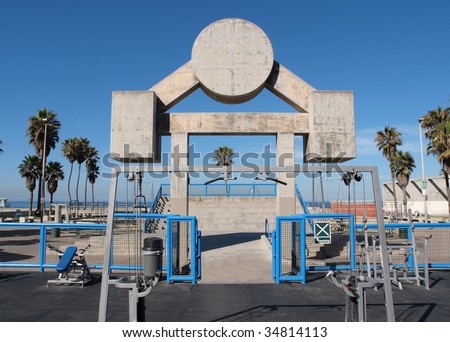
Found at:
(291, 246)
(24, 245)
(183, 249)
(295, 251)
(438, 244)
(34, 245)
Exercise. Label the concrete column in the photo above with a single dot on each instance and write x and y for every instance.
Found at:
(286, 158)
(58, 211)
(179, 181)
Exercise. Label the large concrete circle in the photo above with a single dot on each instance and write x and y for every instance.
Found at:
(232, 59)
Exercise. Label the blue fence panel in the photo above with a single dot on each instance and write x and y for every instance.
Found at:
(24, 245)
(438, 245)
(183, 250)
(291, 245)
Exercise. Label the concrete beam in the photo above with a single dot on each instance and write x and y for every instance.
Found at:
(175, 87)
(233, 123)
(289, 87)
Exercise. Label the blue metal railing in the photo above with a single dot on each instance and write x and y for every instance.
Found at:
(42, 263)
(304, 206)
(302, 200)
(41, 248)
(155, 201)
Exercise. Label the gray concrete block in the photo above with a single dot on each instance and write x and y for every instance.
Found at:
(133, 126)
(331, 127)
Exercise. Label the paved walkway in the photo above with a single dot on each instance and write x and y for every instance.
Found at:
(235, 258)
(24, 297)
(236, 286)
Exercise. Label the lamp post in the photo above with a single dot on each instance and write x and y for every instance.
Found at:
(43, 171)
(424, 191)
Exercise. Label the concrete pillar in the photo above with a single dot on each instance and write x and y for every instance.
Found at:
(179, 181)
(286, 158)
(58, 210)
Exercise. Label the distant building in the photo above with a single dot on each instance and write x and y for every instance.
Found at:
(435, 190)
(4, 203)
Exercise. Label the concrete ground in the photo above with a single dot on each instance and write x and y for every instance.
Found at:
(232, 289)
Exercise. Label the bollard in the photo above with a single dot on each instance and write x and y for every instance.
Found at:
(57, 231)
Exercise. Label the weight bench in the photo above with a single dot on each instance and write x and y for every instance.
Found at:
(72, 266)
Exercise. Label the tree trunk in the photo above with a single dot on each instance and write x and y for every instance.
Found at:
(38, 199)
(85, 191)
(394, 191)
(405, 202)
(68, 183)
(78, 183)
(30, 211)
(92, 189)
(447, 187)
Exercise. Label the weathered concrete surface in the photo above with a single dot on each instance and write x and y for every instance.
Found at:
(222, 213)
(236, 258)
(233, 123)
(179, 181)
(232, 59)
(286, 158)
(331, 127)
(289, 87)
(133, 126)
(175, 87)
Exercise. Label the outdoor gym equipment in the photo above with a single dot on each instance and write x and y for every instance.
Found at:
(265, 177)
(407, 272)
(72, 266)
(148, 264)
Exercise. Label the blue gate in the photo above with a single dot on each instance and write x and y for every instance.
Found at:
(183, 249)
(296, 249)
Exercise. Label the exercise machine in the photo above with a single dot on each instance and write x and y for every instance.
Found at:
(72, 266)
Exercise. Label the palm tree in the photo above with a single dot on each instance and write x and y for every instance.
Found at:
(91, 161)
(44, 120)
(436, 123)
(30, 170)
(53, 173)
(387, 142)
(94, 172)
(403, 166)
(69, 150)
(223, 156)
(433, 118)
(81, 155)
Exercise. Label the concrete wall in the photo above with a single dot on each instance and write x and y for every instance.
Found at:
(436, 195)
(233, 213)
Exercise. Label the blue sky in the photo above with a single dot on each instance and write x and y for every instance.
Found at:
(69, 56)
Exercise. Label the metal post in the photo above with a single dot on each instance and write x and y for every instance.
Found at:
(43, 171)
(108, 247)
(424, 191)
(390, 315)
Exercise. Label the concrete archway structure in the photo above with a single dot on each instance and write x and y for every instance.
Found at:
(232, 61)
